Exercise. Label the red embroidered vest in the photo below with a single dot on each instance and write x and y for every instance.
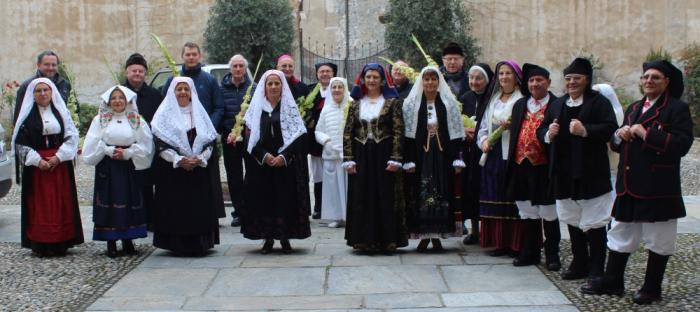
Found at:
(528, 145)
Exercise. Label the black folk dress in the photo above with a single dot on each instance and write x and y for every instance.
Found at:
(275, 199)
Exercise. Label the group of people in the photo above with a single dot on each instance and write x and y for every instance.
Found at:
(390, 160)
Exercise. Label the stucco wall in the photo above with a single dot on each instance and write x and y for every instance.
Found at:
(547, 32)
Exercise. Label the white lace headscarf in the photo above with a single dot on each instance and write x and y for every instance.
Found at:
(290, 121)
(69, 128)
(169, 124)
(412, 103)
(131, 110)
(608, 91)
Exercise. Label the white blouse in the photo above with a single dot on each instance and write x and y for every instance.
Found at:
(369, 109)
(101, 141)
(51, 126)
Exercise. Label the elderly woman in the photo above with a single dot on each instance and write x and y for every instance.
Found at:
(432, 146)
(45, 141)
(480, 75)
(185, 218)
(329, 133)
(276, 196)
(372, 155)
(499, 216)
(119, 143)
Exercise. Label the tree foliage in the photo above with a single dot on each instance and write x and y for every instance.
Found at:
(435, 23)
(250, 28)
(690, 59)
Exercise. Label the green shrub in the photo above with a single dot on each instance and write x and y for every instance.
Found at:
(434, 23)
(690, 59)
(87, 113)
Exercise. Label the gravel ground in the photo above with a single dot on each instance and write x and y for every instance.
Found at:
(690, 175)
(680, 288)
(69, 283)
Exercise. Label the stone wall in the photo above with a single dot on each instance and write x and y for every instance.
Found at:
(547, 32)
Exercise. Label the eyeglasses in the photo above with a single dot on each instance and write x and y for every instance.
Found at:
(451, 58)
(572, 77)
(651, 77)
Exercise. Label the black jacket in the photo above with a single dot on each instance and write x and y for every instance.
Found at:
(233, 98)
(516, 122)
(461, 79)
(148, 100)
(404, 89)
(650, 168)
(590, 169)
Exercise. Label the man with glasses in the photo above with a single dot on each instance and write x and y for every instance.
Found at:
(577, 128)
(453, 69)
(657, 131)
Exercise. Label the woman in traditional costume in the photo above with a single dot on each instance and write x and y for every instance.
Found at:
(500, 222)
(185, 218)
(329, 133)
(45, 140)
(432, 157)
(119, 143)
(276, 196)
(372, 154)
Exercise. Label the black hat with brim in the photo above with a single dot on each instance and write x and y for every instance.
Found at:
(329, 64)
(675, 76)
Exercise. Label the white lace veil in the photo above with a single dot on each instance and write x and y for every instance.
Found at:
(69, 128)
(169, 123)
(411, 105)
(290, 121)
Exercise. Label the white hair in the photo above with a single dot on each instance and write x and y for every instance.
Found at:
(238, 57)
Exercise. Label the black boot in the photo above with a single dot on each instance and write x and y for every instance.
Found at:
(128, 247)
(613, 281)
(552, 237)
(286, 246)
(318, 190)
(597, 242)
(112, 249)
(651, 290)
(531, 234)
(578, 268)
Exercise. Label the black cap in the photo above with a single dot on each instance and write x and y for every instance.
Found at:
(329, 64)
(531, 70)
(675, 76)
(580, 66)
(136, 58)
(452, 48)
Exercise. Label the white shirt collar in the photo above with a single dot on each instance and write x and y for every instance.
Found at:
(533, 107)
(574, 103)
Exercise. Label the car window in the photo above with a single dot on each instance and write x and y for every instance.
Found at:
(160, 79)
(219, 74)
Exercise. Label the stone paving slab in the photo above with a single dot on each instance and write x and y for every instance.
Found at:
(281, 261)
(143, 282)
(267, 282)
(495, 309)
(273, 303)
(363, 260)
(385, 279)
(506, 298)
(495, 278)
(402, 300)
(138, 303)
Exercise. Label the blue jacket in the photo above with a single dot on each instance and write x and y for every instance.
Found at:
(208, 91)
(233, 97)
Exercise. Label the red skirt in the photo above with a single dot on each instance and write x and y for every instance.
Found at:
(501, 233)
(50, 204)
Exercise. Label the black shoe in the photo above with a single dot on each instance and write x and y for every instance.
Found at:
(553, 262)
(267, 246)
(641, 297)
(235, 222)
(573, 274)
(286, 247)
(471, 239)
(499, 252)
(316, 215)
(423, 245)
(525, 261)
(112, 249)
(128, 247)
(601, 286)
(437, 245)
